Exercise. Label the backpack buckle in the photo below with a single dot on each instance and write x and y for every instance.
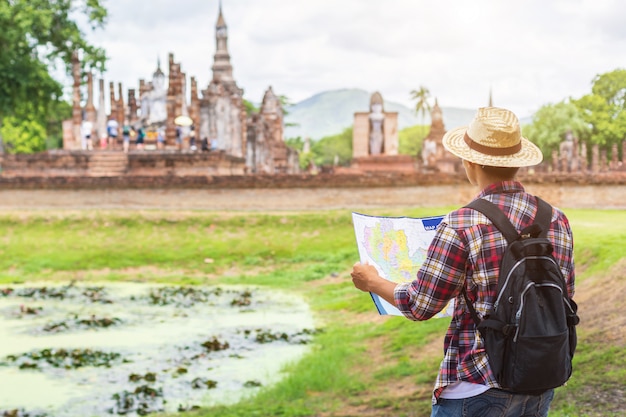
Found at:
(508, 329)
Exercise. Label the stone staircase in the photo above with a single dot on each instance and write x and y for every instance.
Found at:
(108, 164)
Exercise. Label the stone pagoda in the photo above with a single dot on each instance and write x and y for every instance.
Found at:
(222, 114)
(266, 149)
(435, 158)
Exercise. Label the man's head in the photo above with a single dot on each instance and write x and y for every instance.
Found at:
(493, 139)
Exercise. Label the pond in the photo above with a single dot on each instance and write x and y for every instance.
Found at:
(131, 349)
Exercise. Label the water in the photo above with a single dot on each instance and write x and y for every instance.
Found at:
(249, 336)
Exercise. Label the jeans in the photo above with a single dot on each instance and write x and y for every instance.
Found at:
(495, 403)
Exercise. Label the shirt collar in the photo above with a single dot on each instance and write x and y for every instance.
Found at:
(502, 187)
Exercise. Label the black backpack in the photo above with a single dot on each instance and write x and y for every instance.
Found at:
(529, 333)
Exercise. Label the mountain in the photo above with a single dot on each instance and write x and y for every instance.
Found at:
(330, 112)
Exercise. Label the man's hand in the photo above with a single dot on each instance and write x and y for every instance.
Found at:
(365, 277)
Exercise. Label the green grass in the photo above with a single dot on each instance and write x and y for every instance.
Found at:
(309, 253)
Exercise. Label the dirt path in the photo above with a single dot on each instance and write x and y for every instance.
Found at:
(267, 199)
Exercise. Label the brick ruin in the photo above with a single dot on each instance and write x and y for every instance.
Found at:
(574, 157)
(239, 143)
(220, 122)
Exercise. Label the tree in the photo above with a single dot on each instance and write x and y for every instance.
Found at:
(328, 148)
(250, 107)
(605, 108)
(37, 35)
(286, 103)
(410, 139)
(422, 105)
(23, 135)
(552, 121)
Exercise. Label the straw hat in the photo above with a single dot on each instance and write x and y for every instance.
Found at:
(493, 138)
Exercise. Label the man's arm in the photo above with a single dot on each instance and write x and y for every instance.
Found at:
(366, 278)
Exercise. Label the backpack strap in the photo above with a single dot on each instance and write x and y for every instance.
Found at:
(497, 217)
(543, 218)
(502, 223)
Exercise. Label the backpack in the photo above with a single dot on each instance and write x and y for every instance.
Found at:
(529, 333)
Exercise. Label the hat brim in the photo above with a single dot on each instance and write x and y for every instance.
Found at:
(528, 155)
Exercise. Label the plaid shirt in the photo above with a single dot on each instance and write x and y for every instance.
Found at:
(466, 251)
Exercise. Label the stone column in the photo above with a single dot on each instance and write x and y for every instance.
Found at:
(112, 100)
(142, 92)
(194, 106)
(614, 161)
(595, 159)
(101, 127)
(77, 113)
(132, 107)
(603, 161)
(583, 163)
(555, 161)
(170, 127)
(90, 109)
(121, 110)
(574, 163)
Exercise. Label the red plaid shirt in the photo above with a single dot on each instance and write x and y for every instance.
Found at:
(466, 251)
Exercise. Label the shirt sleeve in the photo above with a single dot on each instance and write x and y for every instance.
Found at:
(563, 240)
(439, 279)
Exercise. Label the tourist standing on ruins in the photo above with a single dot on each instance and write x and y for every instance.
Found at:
(126, 136)
(86, 132)
(141, 135)
(192, 139)
(160, 138)
(179, 138)
(112, 127)
(464, 256)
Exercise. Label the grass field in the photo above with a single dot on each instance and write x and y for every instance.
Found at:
(362, 364)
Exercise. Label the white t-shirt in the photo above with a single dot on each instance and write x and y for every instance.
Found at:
(86, 128)
(112, 126)
(462, 389)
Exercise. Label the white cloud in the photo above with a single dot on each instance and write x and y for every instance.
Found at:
(528, 53)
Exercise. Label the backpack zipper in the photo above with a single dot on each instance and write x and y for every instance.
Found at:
(518, 314)
(506, 281)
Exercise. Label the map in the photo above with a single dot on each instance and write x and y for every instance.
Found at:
(396, 247)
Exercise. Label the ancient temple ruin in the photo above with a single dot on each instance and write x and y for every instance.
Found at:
(219, 120)
(266, 150)
(375, 132)
(375, 140)
(222, 118)
(434, 157)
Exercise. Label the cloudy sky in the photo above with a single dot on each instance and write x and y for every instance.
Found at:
(527, 53)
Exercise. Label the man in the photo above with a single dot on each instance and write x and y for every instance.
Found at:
(87, 132)
(112, 126)
(465, 254)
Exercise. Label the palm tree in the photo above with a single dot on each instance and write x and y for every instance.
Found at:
(422, 106)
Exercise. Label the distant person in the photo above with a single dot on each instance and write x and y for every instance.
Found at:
(86, 130)
(179, 137)
(192, 139)
(126, 137)
(160, 138)
(141, 138)
(133, 135)
(205, 144)
(112, 128)
(463, 263)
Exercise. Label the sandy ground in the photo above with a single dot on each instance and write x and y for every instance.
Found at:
(230, 199)
(296, 198)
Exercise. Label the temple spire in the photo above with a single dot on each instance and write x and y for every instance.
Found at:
(220, 17)
(222, 69)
